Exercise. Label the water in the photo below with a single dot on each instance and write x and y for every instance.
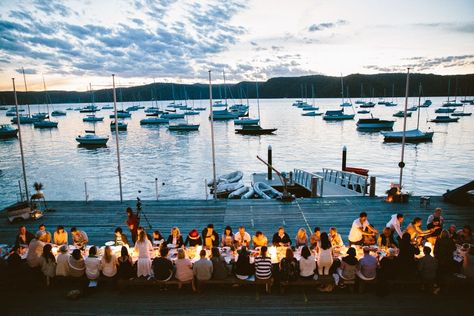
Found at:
(182, 161)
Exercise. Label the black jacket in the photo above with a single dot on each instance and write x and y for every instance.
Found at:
(215, 242)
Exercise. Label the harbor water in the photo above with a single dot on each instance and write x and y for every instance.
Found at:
(182, 161)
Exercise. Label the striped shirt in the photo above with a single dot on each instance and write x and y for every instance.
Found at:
(263, 267)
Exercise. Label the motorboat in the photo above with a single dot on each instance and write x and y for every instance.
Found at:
(154, 121)
(461, 113)
(312, 113)
(200, 109)
(265, 191)
(310, 108)
(412, 109)
(345, 104)
(337, 115)
(449, 104)
(24, 120)
(7, 131)
(107, 107)
(221, 115)
(402, 114)
(121, 114)
(172, 116)
(374, 124)
(190, 112)
(89, 109)
(363, 111)
(58, 113)
(246, 121)
(369, 104)
(427, 103)
(219, 104)
(183, 127)
(445, 110)
(92, 118)
(254, 130)
(390, 103)
(122, 126)
(132, 108)
(411, 136)
(444, 119)
(91, 139)
(45, 124)
(40, 116)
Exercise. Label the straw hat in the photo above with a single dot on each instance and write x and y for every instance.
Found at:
(193, 234)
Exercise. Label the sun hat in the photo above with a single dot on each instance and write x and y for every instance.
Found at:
(193, 234)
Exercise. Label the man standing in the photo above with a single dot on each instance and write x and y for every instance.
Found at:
(132, 223)
(395, 224)
(360, 228)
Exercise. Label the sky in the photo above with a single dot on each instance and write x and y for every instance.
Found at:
(72, 43)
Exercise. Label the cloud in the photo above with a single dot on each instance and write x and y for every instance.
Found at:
(326, 25)
(467, 27)
(424, 63)
(28, 71)
(51, 7)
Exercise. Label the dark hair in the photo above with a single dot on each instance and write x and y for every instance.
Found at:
(436, 219)
(289, 254)
(76, 254)
(157, 232)
(351, 252)
(406, 238)
(416, 220)
(210, 226)
(325, 243)
(263, 251)
(163, 251)
(229, 229)
(317, 229)
(243, 252)
(363, 214)
(118, 230)
(202, 253)
(258, 233)
(73, 229)
(351, 257)
(41, 225)
(59, 228)
(426, 250)
(93, 251)
(124, 251)
(215, 252)
(129, 210)
(305, 253)
(468, 227)
(47, 254)
(399, 215)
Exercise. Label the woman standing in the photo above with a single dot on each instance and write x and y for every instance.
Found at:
(325, 255)
(144, 247)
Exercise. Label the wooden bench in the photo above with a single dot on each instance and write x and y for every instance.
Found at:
(305, 283)
(140, 282)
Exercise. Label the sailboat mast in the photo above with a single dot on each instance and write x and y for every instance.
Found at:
(225, 90)
(402, 163)
(21, 143)
(312, 94)
(212, 141)
(117, 139)
(449, 88)
(419, 103)
(46, 98)
(26, 91)
(258, 102)
(342, 89)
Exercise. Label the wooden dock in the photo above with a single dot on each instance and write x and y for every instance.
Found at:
(100, 218)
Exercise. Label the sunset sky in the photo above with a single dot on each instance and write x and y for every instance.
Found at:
(75, 42)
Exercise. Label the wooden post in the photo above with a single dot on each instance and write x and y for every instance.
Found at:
(372, 186)
(314, 187)
(344, 158)
(269, 169)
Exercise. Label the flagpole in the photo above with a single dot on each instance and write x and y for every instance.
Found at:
(212, 140)
(402, 163)
(21, 143)
(117, 139)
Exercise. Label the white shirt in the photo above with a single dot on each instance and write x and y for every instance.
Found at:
(394, 225)
(62, 265)
(355, 234)
(92, 267)
(246, 238)
(307, 266)
(109, 269)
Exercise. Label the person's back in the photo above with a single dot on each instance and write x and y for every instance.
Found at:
(184, 269)
(62, 265)
(368, 266)
(307, 267)
(219, 267)
(125, 267)
(109, 268)
(76, 266)
(202, 269)
(92, 267)
(243, 267)
(263, 265)
(162, 268)
(349, 267)
(35, 249)
(428, 267)
(289, 269)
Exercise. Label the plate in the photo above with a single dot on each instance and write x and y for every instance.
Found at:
(110, 243)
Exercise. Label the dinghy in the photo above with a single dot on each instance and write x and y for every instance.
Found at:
(237, 194)
(224, 189)
(249, 195)
(265, 191)
(228, 178)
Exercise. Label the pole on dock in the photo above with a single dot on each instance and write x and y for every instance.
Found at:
(269, 169)
(372, 186)
(212, 140)
(26, 91)
(156, 188)
(344, 158)
(21, 142)
(402, 163)
(314, 187)
(117, 139)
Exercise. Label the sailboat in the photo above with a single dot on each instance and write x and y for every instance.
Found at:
(245, 120)
(343, 104)
(92, 117)
(410, 136)
(449, 103)
(90, 139)
(8, 131)
(255, 129)
(45, 123)
(463, 112)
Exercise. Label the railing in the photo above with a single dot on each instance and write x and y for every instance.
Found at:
(349, 180)
(310, 181)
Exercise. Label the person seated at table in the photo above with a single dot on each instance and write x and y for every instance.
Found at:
(453, 233)
(242, 238)
(307, 264)
(335, 238)
(76, 263)
(144, 248)
(443, 252)
(175, 240)
(435, 230)
(227, 239)
(467, 252)
(193, 239)
(436, 213)
(395, 225)
(48, 264)
(406, 257)
(184, 267)
(60, 236)
(148, 236)
(280, 238)
(263, 265)
(289, 269)
(62, 262)
(35, 249)
(119, 237)
(125, 269)
(162, 266)
(42, 227)
(386, 239)
(202, 269)
(210, 238)
(109, 263)
(219, 266)
(325, 255)
(465, 235)
(367, 266)
(157, 237)
(388, 271)
(349, 266)
(92, 263)
(428, 266)
(15, 265)
(79, 238)
(315, 238)
(301, 238)
(243, 268)
(357, 232)
(369, 239)
(259, 240)
(415, 231)
(23, 237)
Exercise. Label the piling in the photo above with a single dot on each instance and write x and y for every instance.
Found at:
(314, 187)
(269, 168)
(344, 158)
(372, 186)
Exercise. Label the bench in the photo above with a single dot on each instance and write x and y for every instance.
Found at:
(304, 283)
(141, 282)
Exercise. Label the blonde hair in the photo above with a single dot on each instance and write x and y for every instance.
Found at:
(175, 229)
(301, 233)
(142, 236)
(108, 254)
(181, 254)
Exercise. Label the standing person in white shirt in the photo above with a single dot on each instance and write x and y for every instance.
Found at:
(144, 248)
(437, 213)
(395, 224)
(356, 235)
(242, 238)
